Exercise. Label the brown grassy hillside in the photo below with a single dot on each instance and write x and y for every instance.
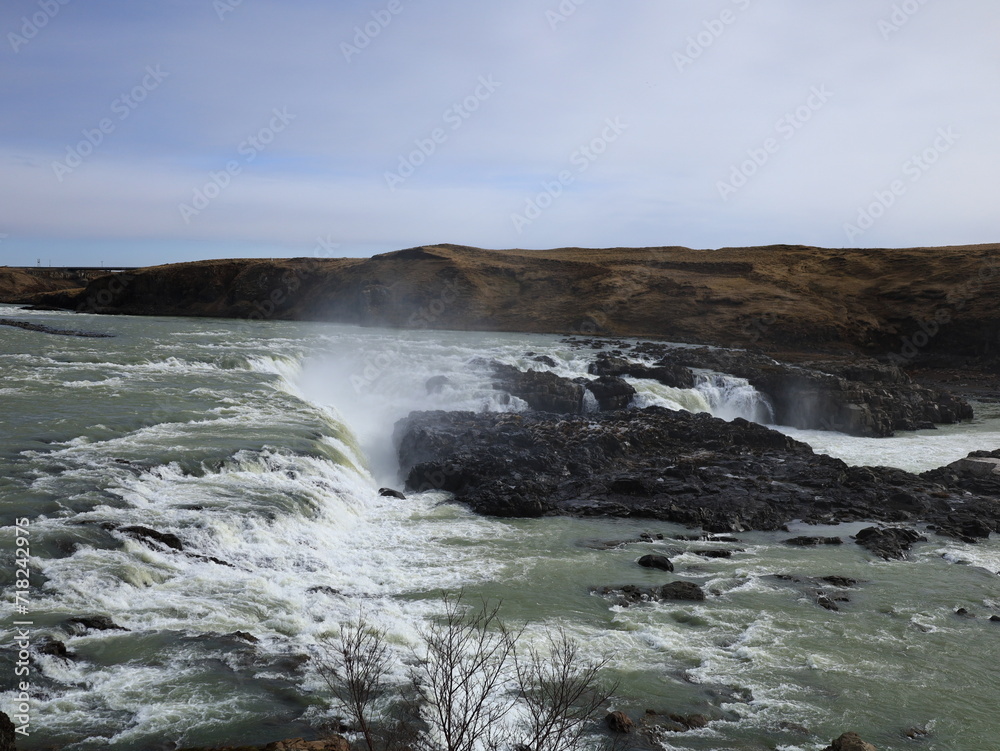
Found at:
(19, 286)
(772, 298)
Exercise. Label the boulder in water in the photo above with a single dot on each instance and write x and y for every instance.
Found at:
(660, 562)
(611, 392)
(53, 648)
(619, 722)
(681, 590)
(93, 623)
(434, 384)
(390, 493)
(145, 534)
(889, 543)
(850, 742)
(808, 541)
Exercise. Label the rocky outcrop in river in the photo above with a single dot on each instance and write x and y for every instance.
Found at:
(655, 463)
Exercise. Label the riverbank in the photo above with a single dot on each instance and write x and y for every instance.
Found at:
(908, 305)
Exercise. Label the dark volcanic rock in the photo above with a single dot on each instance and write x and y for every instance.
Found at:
(806, 541)
(714, 553)
(93, 622)
(850, 742)
(146, 535)
(813, 589)
(655, 463)
(890, 543)
(543, 359)
(542, 390)
(863, 398)
(390, 493)
(53, 647)
(619, 722)
(680, 590)
(632, 594)
(660, 562)
(611, 392)
(669, 374)
(27, 326)
(977, 474)
(7, 733)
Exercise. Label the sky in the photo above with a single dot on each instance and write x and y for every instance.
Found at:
(136, 133)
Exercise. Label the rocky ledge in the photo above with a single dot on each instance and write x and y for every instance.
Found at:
(690, 469)
(858, 396)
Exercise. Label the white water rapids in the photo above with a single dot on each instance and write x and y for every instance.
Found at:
(263, 446)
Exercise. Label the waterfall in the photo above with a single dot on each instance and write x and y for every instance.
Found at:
(730, 397)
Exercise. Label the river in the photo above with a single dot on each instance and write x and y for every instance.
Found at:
(262, 445)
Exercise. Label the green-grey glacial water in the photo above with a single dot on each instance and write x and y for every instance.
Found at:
(262, 445)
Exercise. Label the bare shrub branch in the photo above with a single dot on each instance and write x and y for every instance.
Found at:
(357, 673)
(467, 661)
(562, 691)
(467, 677)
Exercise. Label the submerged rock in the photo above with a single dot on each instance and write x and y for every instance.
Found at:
(680, 590)
(53, 648)
(435, 384)
(94, 623)
(619, 722)
(890, 543)
(145, 534)
(850, 742)
(808, 541)
(390, 493)
(631, 594)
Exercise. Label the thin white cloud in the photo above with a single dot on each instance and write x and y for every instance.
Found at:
(355, 121)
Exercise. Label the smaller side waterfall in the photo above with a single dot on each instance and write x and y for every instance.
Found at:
(730, 397)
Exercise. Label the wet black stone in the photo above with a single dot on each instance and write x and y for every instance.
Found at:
(660, 562)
